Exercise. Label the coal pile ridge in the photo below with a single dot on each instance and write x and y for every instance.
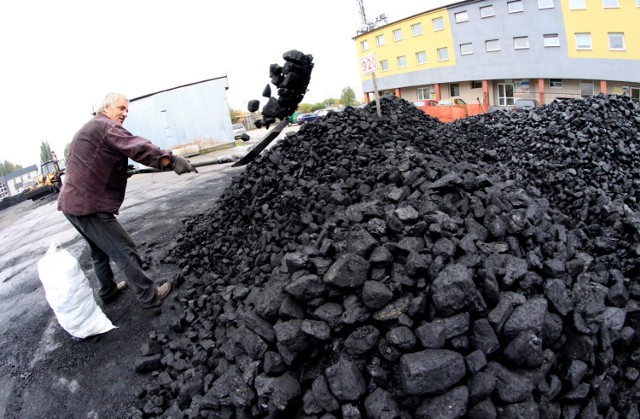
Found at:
(10, 201)
(400, 267)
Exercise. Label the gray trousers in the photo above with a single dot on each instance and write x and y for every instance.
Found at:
(109, 241)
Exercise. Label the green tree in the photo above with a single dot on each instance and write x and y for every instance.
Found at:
(66, 150)
(7, 167)
(348, 97)
(327, 103)
(235, 114)
(305, 107)
(45, 151)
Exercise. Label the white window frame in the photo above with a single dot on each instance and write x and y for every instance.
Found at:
(397, 35)
(551, 40)
(515, 6)
(462, 16)
(521, 42)
(583, 46)
(380, 40)
(364, 45)
(438, 24)
(401, 60)
(443, 54)
(555, 83)
(423, 93)
(577, 4)
(612, 35)
(454, 90)
(492, 45)
(384, 65)
(587, 89)
(466, 49)
(416, 29)
(503, 95)
(611, 4)
(488, 11)
(545, 4)
(421, 54)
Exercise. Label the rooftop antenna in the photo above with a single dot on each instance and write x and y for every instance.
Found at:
(366, 25)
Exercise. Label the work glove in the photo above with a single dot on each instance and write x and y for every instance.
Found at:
(182, 165)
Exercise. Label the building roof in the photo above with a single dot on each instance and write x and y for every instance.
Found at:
(19, 172)
(176, 87)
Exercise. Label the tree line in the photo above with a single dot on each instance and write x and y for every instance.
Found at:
(347, 98)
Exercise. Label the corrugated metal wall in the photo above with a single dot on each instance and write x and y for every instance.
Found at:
(183, 114)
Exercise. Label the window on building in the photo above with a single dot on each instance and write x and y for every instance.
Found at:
(476, 84)
(443, 54)
(416, 29)
(586, 88)
(545, 4)
(515, 6)
(487, 11)
(610, 4)
(438, 24)
(505, 94)
(364, 45)
(616, 41)
(577, 4)
(384, 65)
(402, 61)
(461, 16)
(521, 42)
(492, 45)
(634, 92)
(422, 93)
(551, 40)
(380, 40)
(555, 83)
(466, 49)
(454, 89)
(583, 41)
(397, 35)
(421, 57)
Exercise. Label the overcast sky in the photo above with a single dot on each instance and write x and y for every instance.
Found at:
(61, 57)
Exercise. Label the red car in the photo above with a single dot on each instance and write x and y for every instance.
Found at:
(426, 102)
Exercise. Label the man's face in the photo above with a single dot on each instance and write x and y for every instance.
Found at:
(118, 112)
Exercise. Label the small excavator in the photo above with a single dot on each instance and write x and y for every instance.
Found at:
(50, 179)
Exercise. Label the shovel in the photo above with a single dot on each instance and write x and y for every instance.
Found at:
(246, 159)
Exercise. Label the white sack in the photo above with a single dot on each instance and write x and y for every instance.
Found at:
(70, 296)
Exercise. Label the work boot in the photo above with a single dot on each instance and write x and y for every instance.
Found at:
(161, 292)
(109, 298)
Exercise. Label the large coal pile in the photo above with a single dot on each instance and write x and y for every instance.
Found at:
(397, 267)
(582, 155)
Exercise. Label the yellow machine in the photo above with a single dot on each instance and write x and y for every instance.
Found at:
(50, 179)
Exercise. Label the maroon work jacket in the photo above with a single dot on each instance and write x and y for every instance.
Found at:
(96, 176)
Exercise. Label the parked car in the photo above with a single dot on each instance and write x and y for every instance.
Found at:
(303, 118)
(426, 102)
(525, 105)
(453, 101)
(238, 130)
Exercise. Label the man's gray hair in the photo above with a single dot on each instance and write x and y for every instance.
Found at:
(109, 100)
